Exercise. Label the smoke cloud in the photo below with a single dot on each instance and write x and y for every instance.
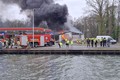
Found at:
(70, 27)
(44, 10)
(47, 10)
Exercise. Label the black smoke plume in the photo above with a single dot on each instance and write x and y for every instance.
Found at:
(45, 10)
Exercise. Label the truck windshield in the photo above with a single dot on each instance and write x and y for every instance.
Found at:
(110, 38)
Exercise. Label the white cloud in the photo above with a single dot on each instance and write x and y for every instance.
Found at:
(11, 12)
(76, 7)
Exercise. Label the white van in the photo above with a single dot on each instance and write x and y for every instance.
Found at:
(113, 41)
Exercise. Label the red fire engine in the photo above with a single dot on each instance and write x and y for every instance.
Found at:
(42, 37)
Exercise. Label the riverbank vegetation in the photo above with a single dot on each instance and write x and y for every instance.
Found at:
(102, 19)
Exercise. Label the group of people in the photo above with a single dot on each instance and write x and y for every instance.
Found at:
(91, 42)
(10, 43)
(94, 42)
(65, 42)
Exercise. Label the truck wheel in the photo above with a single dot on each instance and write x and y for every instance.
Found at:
(49, 44)
(35, 44)
(53, 43)
(31, 44)
(45, 45)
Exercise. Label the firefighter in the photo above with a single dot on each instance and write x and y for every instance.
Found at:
(6, 43)
(12, 43)
(65, 39)
(92, 42)
(78, 41)
(71, 42)
(67, 43)
(88, 42)
(104, 42)
(95, 41)
(101, 42)
(9, 42)
(61, 44)
(28, 44)
(108, 42)
(18, 43)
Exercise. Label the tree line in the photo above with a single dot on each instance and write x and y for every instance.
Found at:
(101, 20)
(15, 23)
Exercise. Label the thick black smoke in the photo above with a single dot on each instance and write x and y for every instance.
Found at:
(54, 14)
(45, 10)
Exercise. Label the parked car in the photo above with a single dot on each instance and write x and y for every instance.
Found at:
(112, 41)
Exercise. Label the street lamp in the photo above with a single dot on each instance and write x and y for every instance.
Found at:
(33, 27)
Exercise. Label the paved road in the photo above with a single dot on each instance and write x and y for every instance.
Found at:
(78, 47)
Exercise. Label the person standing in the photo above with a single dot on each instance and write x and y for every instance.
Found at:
(104, 42)
(67, 43)
(101, 42)
(71, 43)
(61, 44)
(6, 43)
(18, 43)
(92, 42)
(88, 42)
(9, 42)
(12, 43)
(95, 41)
(108, 42)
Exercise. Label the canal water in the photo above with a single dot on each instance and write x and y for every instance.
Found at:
(59, 67)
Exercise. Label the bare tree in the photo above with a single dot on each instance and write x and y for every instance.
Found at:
(98, 8)
(87, 25)
(105, 12)
(15, 24)
(111, 20)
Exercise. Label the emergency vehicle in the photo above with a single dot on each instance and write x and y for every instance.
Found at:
(42, 37)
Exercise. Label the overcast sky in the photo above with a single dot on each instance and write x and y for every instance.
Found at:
(11, 12)
(76, 7)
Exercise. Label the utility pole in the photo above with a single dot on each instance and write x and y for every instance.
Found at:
(33, 28)
(119, 21)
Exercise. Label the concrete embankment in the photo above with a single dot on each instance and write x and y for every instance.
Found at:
(82, 50)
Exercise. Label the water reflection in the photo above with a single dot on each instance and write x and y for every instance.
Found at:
(59, 67)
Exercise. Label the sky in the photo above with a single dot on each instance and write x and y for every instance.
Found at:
(76, 7)
(11, 12)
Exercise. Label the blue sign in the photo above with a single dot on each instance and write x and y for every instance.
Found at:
(3, 33)
(52, 33)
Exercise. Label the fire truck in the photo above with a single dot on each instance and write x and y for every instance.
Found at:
(41, 37)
